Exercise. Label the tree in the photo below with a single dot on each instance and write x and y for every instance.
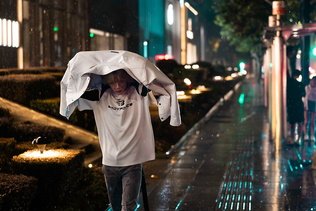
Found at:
(243, 22)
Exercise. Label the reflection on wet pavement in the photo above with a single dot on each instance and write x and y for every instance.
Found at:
(230, 163)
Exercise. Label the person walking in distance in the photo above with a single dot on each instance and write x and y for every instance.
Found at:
(295, 107)
(310, 110)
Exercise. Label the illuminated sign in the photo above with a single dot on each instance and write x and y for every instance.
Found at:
(9, 33)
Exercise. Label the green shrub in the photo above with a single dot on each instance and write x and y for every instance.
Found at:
(28, 131)
(22, 88)
(16, 192)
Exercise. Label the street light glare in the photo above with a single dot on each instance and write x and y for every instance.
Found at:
(191, 8)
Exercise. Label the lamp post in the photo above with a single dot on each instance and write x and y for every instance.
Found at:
(278, 79)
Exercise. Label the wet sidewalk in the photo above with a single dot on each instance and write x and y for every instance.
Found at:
(229, 163)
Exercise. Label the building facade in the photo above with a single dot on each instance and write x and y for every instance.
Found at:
(47, 33)
(42, 32)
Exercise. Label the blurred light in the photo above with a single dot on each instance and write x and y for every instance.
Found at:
(9, 33)
(299, 78)
(90, 165)
(55, 28)
(229, 68)
(195, 92)
(314, 51)
(181, 3)
(145, 47)
(202, 88)
(182, 97)
(190, 35)
(187, 81)
(1, 29)
(218, 78)
(16, 34)
(241, 99)
(96, 32)
(4, 32)
(195, 66)
(187, 66)
(163, 57)
(91, 35)
(242, 66)
(154, 176)
(234, 75)
(170, 16)
(9, 25)
(228, 78)
(191, 8)
(179, 93)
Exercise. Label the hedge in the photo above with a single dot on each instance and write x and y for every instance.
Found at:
(22, 88)
(17, 192)
(7, 146)
(84, 119)
(5, 121)
(28, 131)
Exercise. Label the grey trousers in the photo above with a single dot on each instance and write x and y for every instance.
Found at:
(123, 186)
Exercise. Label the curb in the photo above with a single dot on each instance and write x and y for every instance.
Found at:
(202, 121)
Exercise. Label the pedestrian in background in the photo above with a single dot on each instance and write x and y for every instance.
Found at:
(310, 110)
(295, 106)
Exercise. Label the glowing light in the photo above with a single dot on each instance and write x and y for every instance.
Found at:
(46, 154)
(55, 29)
(153, 176)
(195, 92)
(190, 35)
(202, 88)
(218, 78)
(314, 51)
(191, 8)
(187, 66)
(228, 78)
(9, 33)
(195, 66)
(4, 33)
(9, 25)
(182, 97)
(52, 155)
(163, 57)
(187, 81)
(170, 16)
(234, 75)
(16, 34)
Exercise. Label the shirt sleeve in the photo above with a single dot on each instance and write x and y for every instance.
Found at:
(84, 104)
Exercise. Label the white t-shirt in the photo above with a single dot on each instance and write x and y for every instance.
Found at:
(124, 127)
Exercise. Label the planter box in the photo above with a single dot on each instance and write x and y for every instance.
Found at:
(58, 171)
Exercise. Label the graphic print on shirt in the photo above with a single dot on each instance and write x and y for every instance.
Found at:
(120, 105)
(120, 102)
